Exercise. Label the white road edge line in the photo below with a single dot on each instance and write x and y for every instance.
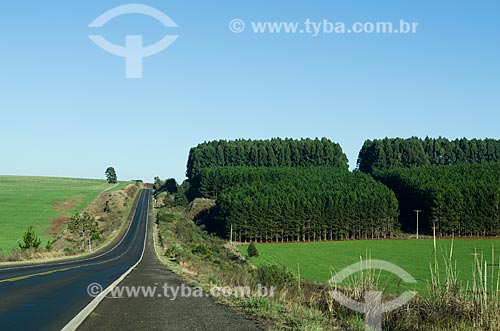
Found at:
(49, 264)
(82, 315)
(156, 228)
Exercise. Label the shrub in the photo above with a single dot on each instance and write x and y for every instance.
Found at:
(30, 240)
(49, 247)
(252, 250)
(173, 251)
(274, 275)
(69, 251)
(200, 250)
(180, 200)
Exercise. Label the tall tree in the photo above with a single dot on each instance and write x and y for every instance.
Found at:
(111, 175)
(170, 186)
(262, 153)
(413, 152)
(157, 183)
(309, 203)
(460, 199)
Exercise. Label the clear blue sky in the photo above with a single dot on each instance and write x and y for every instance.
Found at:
(68, 111)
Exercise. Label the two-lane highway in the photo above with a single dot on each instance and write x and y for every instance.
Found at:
(48, 296)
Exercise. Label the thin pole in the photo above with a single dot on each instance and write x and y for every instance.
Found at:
(418, 212)
(231, 234)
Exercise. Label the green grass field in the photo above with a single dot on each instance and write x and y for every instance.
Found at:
(39, 201)
(319, 261)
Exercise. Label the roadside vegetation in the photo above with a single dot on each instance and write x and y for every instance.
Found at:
(207, 261)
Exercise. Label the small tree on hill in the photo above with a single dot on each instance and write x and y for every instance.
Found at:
(252, 250)
(49, 247)
(85, 226)
(30, 240)
(111, 175)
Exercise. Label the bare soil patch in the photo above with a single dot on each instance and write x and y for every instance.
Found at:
(57, 224)
(70, 204)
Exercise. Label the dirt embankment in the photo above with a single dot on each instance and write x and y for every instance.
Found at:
(111, 211)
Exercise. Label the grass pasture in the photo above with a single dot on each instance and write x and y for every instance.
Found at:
(320, 260)
(42, 202)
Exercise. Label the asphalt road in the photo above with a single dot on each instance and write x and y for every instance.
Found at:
(48, 296)
(52, 296)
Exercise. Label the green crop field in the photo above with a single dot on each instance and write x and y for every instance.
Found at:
(319, 261)
(39, 201)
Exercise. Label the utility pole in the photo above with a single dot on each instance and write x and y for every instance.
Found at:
(231, 234)
(418, 212)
